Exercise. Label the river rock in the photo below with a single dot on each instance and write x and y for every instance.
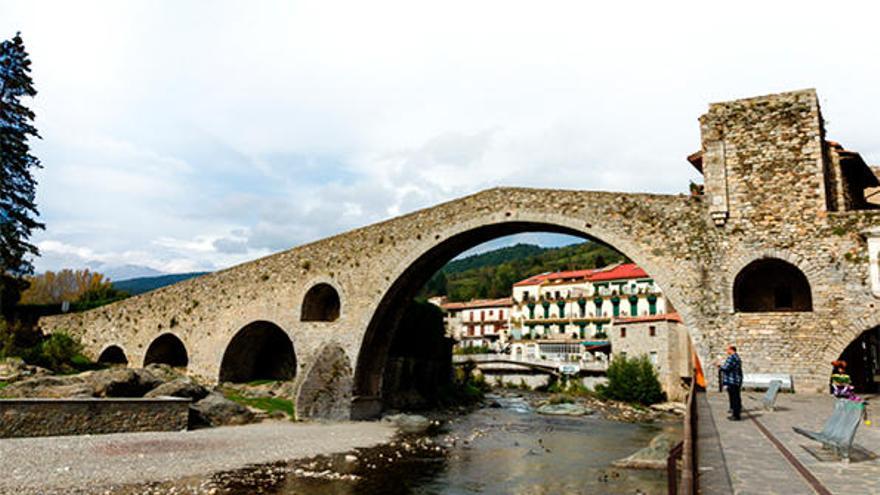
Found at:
(111, 382)
(122, 382)
(49, 386)
(13, 369)
(670, 407)
(216, 410)
(409, 423)
(181, 387)
(563, 410)
(651, 457)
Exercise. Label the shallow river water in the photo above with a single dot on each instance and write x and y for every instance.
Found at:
(506, 450)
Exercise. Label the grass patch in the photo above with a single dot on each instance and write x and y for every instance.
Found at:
(264, 381)
(268, 404)
(3, 384)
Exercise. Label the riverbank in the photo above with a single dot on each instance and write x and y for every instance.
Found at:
(503, 447)
(503, 436)
(106, 463)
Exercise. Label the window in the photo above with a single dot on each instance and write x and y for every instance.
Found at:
(525, 295)
(653, 357)
(623, 332)
(652, 331)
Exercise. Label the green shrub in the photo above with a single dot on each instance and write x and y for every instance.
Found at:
(466, 387)
(57, 352)
(632, 380)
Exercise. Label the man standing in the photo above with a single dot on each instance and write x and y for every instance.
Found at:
(732, 378)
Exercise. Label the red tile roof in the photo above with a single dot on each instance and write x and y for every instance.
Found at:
(613, 272)
(642, 319)
(547, 277)
(619, 272)
(478, 303)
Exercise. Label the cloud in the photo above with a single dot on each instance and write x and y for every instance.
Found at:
(248, 128)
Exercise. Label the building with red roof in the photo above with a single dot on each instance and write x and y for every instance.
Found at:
(478, 322)
(581, 303)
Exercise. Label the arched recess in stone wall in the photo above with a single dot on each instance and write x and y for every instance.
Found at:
(416, 271)
(113, 355)
(854, 345)
(321, 303)
(259, 351)
(325, 391)
(167, 349)
(771, 284)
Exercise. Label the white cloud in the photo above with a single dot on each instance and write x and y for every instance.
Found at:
(183, 135)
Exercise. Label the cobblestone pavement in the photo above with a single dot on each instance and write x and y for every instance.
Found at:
(102, 462)
(756, 466)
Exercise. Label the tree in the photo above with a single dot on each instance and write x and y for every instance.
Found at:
(68, 285)
(18, 210)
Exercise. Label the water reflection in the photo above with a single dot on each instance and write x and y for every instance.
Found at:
(507, 450)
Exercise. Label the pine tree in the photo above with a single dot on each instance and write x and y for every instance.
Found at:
(18, 211)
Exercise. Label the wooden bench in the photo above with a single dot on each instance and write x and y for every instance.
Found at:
(763, 380)
(840, 429)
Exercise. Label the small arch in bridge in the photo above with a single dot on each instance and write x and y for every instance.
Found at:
(259, 351)
(167, 349)
(113, 355)
(771, 284)
(321, 303)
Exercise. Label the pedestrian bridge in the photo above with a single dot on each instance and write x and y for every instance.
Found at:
(551, 367)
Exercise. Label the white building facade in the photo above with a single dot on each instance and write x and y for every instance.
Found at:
(580, 304)
(478, 323)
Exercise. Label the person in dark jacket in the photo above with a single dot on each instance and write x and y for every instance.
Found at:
(732, 378)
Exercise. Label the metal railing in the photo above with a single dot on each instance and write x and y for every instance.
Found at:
(684, 481)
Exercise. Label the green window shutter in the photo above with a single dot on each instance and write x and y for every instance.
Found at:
(652, 304)
(561, 306)
(633, 306)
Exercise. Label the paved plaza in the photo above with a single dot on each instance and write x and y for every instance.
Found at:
(740, 458)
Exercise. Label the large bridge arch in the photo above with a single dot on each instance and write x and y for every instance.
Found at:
(435, 248)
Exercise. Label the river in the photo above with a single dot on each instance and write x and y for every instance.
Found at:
(501, 450)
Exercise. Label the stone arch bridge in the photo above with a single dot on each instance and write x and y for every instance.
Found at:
(774, 189)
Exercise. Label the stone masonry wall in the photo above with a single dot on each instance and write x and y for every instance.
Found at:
(54, 417)
(773, 157)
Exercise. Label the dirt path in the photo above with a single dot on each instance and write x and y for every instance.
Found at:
(62, 464)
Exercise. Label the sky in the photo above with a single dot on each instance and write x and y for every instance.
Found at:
(194, 135)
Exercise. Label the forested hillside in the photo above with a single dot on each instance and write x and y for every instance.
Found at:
(135, 286)
(491, 274)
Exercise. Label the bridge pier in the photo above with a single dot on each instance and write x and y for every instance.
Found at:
(364, 407)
